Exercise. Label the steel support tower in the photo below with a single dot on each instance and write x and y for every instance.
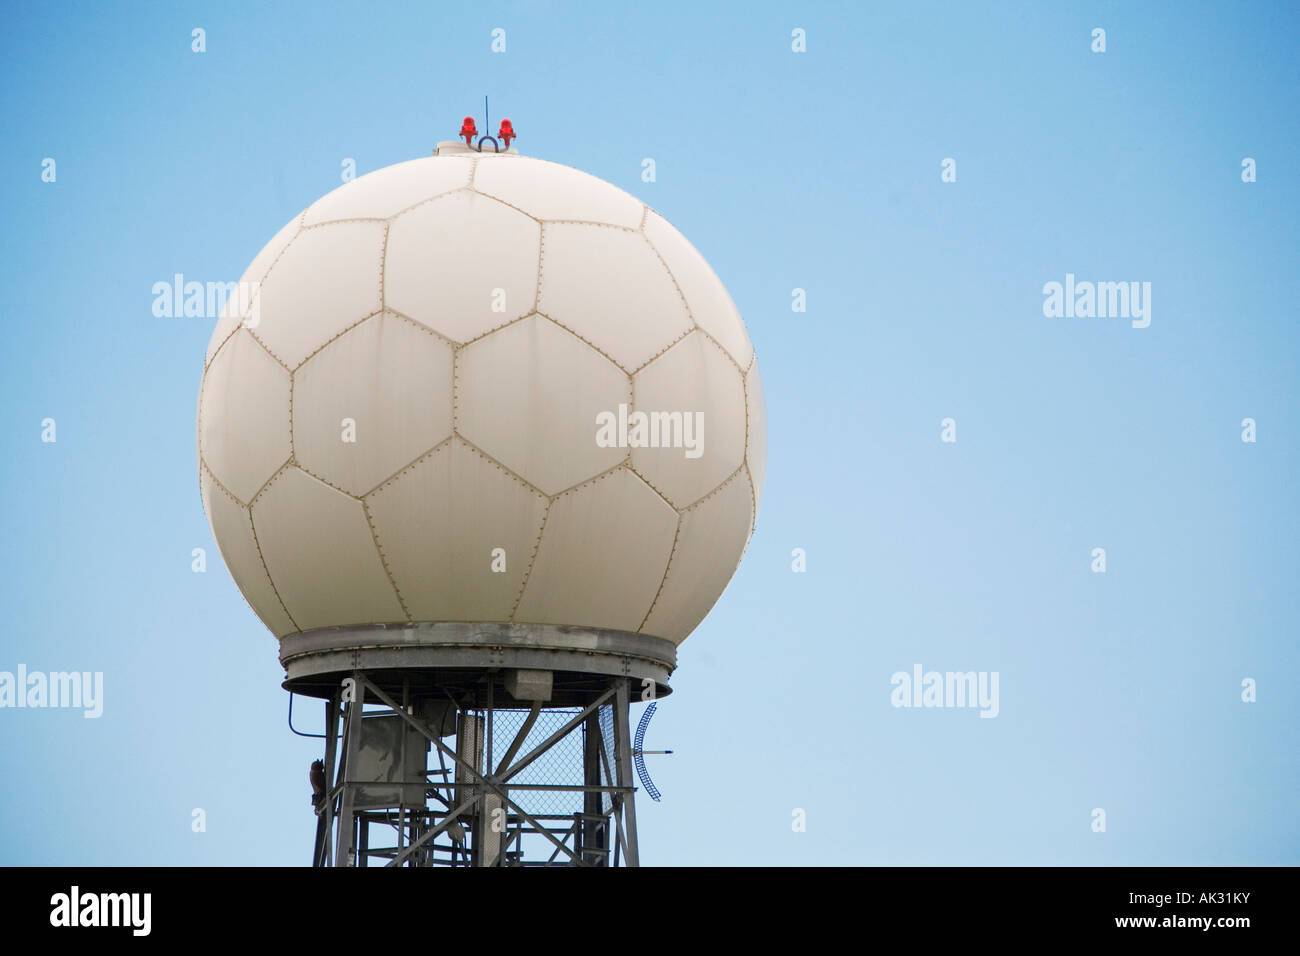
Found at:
(472, 744)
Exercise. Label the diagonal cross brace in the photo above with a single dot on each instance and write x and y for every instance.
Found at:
(475, 775)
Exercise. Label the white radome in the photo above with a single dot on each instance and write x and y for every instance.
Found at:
(472, 315)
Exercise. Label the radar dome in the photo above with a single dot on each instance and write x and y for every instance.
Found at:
(481, 387)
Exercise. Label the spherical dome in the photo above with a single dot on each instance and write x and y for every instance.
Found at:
(481, 387)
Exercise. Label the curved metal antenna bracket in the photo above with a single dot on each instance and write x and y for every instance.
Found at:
(638, 758)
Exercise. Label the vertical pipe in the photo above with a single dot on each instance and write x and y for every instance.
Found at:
(351, 743)
(593, 834)
(331, 754)
(623, 757)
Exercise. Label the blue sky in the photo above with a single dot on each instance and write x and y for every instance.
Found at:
(817, 170)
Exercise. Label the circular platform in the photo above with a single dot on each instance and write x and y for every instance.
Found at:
(461, 659)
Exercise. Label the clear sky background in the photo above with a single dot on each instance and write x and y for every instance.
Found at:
(816, 170)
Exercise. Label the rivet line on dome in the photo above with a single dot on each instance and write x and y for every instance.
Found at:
(343, 221)
(541, 249)
(407, 467)
(266, 348)
(662, 351)
(455, 388)
(532, 560)
(522, 212)
(663, 578)
(621, 464)
(240, 324)
(259, 281)
(334, 338)
(720, 486)
(288, 463)
(428, 199)
(383, 559)
(257, 543)
(292, 389)
(422, 327)
(383, 264)
(590, 222)
(585, 341)
(691, 312)
(753, 501)
(496, 328)
(481, 453)
(723, 349)
(325, 481)
(217, 481)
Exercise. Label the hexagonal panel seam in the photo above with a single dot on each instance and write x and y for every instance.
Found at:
(293, 451)
(723, 349)
(745, 385)
(595, 348)
(532, 561)
(691, 312)
(198, 419)
(589, 222)
(473, 171)
(671, 277)
(664, 350)
(275, 358)
(334, 338)
(681, 514)
(455, 388)
(278, 361)
(332, 222)
(624, 462)
(650, 484)
(570, 169)
(753, 502)
(428, 199)
(513, 474)
(744, 394)
(382, 253)
(529, 314)
(217, 481)
(266, 569)
(428, 453)
(383, 265)
(289, 462)
(420, 325)
(259, 280)
(324, 481)
(199, 422)
(233, 332)
(383, 559)
(541, 256)
(719, 487)
(479, 192)
(664, 577)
